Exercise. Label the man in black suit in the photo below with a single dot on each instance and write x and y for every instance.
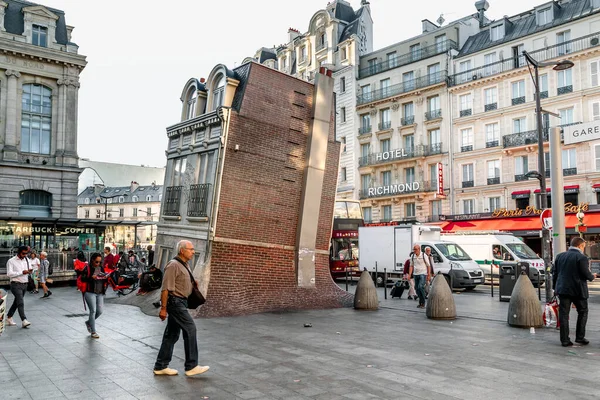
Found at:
(570, 276)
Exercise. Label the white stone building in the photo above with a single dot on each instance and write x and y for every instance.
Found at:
(38, 112)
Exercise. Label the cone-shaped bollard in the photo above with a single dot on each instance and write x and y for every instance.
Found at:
(440, 302)
(524, 309)
(365, 297)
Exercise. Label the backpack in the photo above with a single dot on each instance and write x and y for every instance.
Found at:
(79, 266)
(81, 285)
(407, 266)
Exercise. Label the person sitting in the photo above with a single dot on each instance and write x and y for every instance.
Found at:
(150, 280)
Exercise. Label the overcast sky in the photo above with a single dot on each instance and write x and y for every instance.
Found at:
(141, 53)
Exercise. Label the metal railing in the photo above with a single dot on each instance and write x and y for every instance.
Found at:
(400, 154)
(407, 120)
(172, 201)
(425, 186)
(563, 90)
(433, 114)
(569, 171)
(404, 87)
(385, 125)
(466, 113)
(491, 107)
(364, 130)
(547, 53)
(405, 59)
(492, 143)
(198, 200)
(518, 100)
(466, 148)
(520, 178)
(321, 46)
(543, 95)
(493, 181)
(530, 137)
(468, 184)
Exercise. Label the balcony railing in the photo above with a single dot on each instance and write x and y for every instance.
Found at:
(492, 143)
(321, 46)
(398, 189)
(363, 130)
(404, 87)
(172, 201)
(547, 53)
(518, 100)
(569, 171)
(407, 120)
(468, 184)
(385, 125)
(400, 154)
(493, 181)
(563, 90)
(466, 148)
(433, 114)
(405, 59)
(198, 200)
(530, 137)
(466, 113)
(543, 95)
(520, 178)
(491, 106)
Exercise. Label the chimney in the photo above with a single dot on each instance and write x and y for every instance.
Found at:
(481, 6)
(69, 31)
(292, 34)
(428, 26)
(134, 186)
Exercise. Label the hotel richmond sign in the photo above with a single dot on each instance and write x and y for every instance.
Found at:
(394, 189)
(391, 155)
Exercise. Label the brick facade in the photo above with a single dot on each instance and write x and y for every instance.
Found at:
(252, 266)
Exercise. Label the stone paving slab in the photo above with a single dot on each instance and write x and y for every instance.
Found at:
(392, 353)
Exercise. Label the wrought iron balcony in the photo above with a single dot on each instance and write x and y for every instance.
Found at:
(468, 184)
(321, 46)
(547, 173)
(433, 114)
(492, 143)
(405, 59)
(564, 90)
(466, 148)
(491, 106)
(543, 95)
(522, 138)
(407, 120)
(521, 178)
(172, 201)
(385, 125)
(198, 200)
(404, 87)
(435, 148)
(569, 171)
(466, 113)
(544, 54)
(518, 100)
(363, 130)
(493, 181)
(400, 154)
(398, 189)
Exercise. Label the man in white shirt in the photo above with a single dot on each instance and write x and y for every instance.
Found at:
(419, 265)
(18, 269)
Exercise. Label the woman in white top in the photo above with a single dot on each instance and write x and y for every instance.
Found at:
(419, 266)
(34, 262)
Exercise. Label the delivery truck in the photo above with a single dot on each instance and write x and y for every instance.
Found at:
(388, 247)
(489, 250)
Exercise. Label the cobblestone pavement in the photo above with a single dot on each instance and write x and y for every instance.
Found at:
(392, 353)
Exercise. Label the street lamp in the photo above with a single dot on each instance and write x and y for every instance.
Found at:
(151, 215)
(557, 66)
(106, 202)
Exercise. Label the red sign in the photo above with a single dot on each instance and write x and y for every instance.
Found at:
(545, 216)
(440, 179)
(390, 223)
(345, 234)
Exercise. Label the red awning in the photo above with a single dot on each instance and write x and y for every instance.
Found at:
(596, 186)
(572, 187)
(569, 187)
(516, 223)
(521, 192)
(538, 190)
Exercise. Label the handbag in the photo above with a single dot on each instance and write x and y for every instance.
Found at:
(196, 298)
(550, 316)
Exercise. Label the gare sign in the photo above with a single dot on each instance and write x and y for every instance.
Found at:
(582, 132)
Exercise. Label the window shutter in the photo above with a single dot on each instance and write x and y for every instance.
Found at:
(594, 67)
(595, 111)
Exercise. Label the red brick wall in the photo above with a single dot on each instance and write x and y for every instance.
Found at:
(260, 202)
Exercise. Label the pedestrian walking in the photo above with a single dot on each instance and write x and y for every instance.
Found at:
(412, 294)
(43, 273)
(419, 266)
(34, 262)
(18, 270)
(96, 280)
(176, 287)
(109, 260)
(570, 274)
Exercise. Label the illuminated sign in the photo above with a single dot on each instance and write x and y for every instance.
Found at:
(391, 155)
(345, 234)
(531, 210)
(440, 179)
(394, 189)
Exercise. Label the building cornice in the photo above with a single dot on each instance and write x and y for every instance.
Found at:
(10, 47)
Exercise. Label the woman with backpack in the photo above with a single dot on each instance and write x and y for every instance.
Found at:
(94, 282)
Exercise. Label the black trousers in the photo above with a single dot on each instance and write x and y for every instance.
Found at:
(18, 290)
(564, 309)
(179, 321)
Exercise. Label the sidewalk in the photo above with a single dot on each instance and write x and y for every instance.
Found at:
(393, 353)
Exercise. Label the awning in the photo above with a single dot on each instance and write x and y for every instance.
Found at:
(538, 190)
(516, 223)
(567, 189)
(521, 194)
(596, 187)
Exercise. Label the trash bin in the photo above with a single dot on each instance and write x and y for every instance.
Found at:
(508, 279)
(523, 268)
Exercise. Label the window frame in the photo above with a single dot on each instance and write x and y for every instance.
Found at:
(39, 33)
(36, 110)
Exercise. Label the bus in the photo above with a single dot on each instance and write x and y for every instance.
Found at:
(343, 249)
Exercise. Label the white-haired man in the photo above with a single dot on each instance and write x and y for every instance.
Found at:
(176, 287)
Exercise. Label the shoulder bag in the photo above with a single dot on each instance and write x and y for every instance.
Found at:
(196, 298)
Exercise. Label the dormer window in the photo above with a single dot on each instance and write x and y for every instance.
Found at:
(302, 53)
(345, 55)
(544, 16)
(219, 92)
(496, 32)
(191, 103)
(39, 36)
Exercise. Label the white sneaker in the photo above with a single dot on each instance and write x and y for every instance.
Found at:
(166, 371)
(197, 370)
(10, 322)
(26, 323)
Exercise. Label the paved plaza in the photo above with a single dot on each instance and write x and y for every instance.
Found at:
(392, 353)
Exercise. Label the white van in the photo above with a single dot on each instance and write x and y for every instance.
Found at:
(494, 248)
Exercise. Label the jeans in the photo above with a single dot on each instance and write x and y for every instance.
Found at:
(179, 319)
(564, 308)
(420, 285)
(95, 303)
(18, 290)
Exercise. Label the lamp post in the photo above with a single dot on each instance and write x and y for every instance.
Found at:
(151, 215)
(106, 202)
(557, 66)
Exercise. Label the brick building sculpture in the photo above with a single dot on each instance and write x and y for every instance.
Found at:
(251, 181)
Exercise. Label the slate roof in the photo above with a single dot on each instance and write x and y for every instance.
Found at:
(352, 27)
(142, 192)
(241, 74)
(266, 54)
(13, 19)
(344, 12)
(525, 25)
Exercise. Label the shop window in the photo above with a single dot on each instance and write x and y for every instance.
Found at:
(572, 198)
(522, 203)
(35, 203)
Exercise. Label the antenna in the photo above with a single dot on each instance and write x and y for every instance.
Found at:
(440, 20)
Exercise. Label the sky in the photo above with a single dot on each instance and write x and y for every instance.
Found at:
(140, 54)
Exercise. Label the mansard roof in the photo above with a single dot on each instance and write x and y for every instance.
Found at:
(14, 19)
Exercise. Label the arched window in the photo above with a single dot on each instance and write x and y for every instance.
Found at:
(191, 103)
(35, 203)
(219, 92)
(149, 198)
(36, 119)
(135, 199)
(87, 200)
(121, 199)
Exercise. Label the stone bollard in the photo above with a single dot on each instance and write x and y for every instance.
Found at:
(365, 297)
(524, 309)
(440, 302)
